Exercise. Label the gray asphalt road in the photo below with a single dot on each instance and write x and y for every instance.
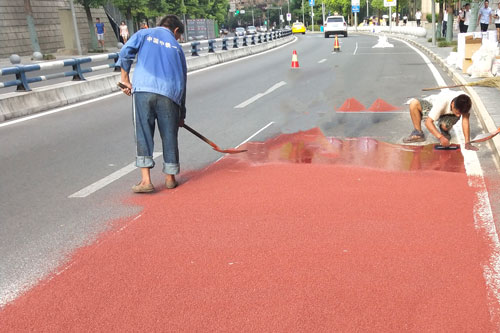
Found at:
(47, 159)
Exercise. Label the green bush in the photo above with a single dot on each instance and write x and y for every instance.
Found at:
(316, 28)
(438, 39)
(428, 17)
(444, 43)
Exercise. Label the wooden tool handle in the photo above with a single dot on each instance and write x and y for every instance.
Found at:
(444, 87)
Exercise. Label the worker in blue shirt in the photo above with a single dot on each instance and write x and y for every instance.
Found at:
(158, 89)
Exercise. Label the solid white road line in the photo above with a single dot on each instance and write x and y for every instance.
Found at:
(355, 49)
(108, 179)
(483, 215)
(259, 95)
(64, 108)
(321, 61)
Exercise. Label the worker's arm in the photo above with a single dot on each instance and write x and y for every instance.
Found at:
(466, 130)
(429, 123)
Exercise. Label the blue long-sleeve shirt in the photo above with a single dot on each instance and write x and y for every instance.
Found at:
(161, 64)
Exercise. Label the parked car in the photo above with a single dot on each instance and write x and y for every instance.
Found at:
(335, 25)
(251, 30)
(262, 28)
(239, 31)
(298, 28)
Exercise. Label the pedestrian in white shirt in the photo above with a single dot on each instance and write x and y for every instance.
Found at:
(484, 16)
(418, 17)
(496, 16)
(467, 17)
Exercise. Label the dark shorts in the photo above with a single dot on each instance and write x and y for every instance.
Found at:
(497, 25)
(448, 119)
(484, 27)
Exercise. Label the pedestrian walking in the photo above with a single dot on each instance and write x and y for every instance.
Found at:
(445, 108)
(159, 93)
(496, 15)
(461, 18)
(418, 17)
(100, 31)
(467, 17)
(124, 32)
(484, 16)
(445, 22)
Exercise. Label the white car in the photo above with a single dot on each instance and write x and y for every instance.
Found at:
(239, 31)
(335, 25)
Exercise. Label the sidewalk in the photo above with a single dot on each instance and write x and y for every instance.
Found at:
(485, 100)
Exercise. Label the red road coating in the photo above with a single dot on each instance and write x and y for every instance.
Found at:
(351, 104)
(382, 106)
(253, 245)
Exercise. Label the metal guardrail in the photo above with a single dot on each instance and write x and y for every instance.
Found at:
(226, 43)
(22, 82)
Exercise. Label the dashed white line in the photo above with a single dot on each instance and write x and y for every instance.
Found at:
(259, 95)
(107, 180)
(355, 48)
(321, 61)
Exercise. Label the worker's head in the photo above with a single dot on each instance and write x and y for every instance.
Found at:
(173, 23)
(461, 105)
(486, 3)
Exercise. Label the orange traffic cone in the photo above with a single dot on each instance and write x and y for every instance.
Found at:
(295, 62)
(336, 46)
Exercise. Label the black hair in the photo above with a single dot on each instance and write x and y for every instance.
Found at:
(172, 22)
(97, 18)
(462, 103)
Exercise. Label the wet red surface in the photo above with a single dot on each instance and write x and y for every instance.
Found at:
(302, 233)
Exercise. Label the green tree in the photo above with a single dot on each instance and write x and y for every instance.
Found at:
(87, 4)
(131, 8)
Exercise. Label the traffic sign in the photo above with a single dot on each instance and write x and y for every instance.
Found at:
(355, 9)
(389, 3)
(311, 3)
(242, 11)
(288, 17)
(354, 2)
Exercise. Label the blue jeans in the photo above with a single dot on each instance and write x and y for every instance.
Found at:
(148, 107)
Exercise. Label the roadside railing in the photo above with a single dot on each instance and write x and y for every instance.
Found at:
(22, 81)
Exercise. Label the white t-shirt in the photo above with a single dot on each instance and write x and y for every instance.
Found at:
(418, 15)
(441, 103)
(467, 17)
(497, 12)
(445, 17)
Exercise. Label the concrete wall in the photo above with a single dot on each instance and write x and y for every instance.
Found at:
(14, 34)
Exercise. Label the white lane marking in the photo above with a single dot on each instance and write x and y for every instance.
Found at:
(483, 215)
(372, 112)
(248, 139)
(383, 43)
(259, 95)
(321, 61)
(107, 180)
(256, 133)
(64, 108)
(355, 49)
(434, 71)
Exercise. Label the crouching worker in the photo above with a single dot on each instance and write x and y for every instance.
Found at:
(445, 109)
(159, 95)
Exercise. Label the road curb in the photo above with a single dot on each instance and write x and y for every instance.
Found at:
(481, 111)
(19, 104)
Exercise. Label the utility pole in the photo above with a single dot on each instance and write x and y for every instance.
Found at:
(75, 27)
(367, 9)
(303, 16)
(31, 26)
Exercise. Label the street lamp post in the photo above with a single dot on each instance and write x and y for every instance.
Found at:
(367, 9)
